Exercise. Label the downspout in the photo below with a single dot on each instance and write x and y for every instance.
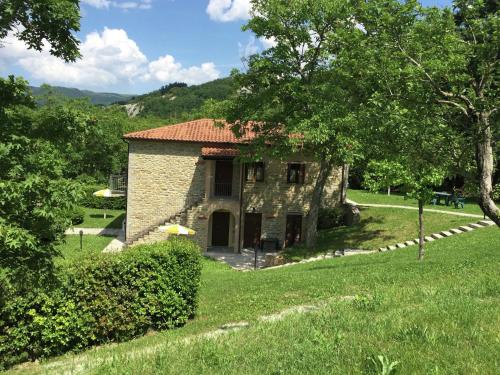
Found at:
(241, 207)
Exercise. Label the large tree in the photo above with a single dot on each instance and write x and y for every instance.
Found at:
(37, 21)
(452, 59)
(302, 85)
(34, 196)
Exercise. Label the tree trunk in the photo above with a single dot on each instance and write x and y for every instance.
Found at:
(345, 183)
(388, 190)
(484, 162)
(312, 216)
(420, 229)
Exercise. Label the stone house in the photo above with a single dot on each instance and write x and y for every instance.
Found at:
(190, 174)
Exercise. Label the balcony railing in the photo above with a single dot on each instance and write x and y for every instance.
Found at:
(118, 183)
(223, 189)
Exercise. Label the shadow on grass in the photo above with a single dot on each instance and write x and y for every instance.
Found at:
(117, 222)
(353, 237)
(101, 216)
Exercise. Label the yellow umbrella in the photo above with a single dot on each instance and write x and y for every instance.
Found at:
(176, 229)
(106, 193)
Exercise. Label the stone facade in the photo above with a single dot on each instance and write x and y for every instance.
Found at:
(169, 181)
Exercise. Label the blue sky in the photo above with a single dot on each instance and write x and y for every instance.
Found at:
(135, 46)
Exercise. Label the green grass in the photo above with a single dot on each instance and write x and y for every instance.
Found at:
(439, 316)
(364, 196)
(70, 249)
(94, 218)
(378, 227)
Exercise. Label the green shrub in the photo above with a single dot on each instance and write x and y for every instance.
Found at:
(330, 218)
(496, 192)
(103, 299)
(76, 215)
(90, 201)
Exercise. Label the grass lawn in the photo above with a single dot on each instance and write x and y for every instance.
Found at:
(364, 196)
(94, 218)
(70, 249)
(439, 316)
(378, 227)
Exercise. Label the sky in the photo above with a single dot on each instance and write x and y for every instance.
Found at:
(136, 46)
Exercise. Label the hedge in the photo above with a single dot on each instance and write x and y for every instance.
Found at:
(90, 201)
(113, 297)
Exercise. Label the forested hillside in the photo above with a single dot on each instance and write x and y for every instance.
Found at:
(175, 100)
(98, 98)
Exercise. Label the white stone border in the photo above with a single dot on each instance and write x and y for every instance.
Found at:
(443, 234)
(401, 245)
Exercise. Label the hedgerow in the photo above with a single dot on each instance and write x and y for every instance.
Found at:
(104, 299)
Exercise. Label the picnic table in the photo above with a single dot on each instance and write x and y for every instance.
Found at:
(448, 198)
(441, 194)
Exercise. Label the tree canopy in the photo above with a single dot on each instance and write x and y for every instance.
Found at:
(37, 21)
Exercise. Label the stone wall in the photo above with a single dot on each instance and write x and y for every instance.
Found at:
(275, 198)
(163, 178)
(166, 177)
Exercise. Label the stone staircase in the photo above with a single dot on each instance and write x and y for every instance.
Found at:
(153, 234)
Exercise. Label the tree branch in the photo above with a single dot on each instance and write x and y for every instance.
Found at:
(455, 104)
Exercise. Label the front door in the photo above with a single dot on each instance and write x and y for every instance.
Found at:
(253, 223)
(223, 178)
(293, 229)
(220, 229)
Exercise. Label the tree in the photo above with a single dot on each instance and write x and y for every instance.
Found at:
(453, 59)
(34, 21)
(34, 196)
(303, 85)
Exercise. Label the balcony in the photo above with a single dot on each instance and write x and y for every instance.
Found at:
(118, 183)
(223, 189)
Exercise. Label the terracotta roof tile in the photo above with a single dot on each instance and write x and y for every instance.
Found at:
(214, 150)
(203, 130)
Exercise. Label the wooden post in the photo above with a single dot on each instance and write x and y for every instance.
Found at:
(420, 229)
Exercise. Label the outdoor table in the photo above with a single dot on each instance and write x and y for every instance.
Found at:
(442, 194)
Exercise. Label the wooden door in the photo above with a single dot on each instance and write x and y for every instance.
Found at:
(252, 233)
(293, 229)
(220, 229)
(223, 178)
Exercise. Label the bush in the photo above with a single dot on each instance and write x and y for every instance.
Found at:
(76, 215)
(90, 201)
(103, 299)
(330, 217)
(496, 193)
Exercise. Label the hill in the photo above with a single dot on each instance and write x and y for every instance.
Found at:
(98, 98)
(176, 99)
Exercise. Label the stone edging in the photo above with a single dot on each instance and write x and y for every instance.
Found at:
(437, 236)
(347, 252)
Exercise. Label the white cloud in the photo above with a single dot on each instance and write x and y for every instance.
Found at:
(166, 69)
(105, 4)
(248, 49)
(268, 42)
(108, 58)
(228, 10)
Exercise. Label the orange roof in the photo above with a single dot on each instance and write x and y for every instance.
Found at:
(203, 130)
(214, 150)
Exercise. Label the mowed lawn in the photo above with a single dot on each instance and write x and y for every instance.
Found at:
(378, 227)
(70, 248)
(364, 196)
(94, 218)
(439, 316)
